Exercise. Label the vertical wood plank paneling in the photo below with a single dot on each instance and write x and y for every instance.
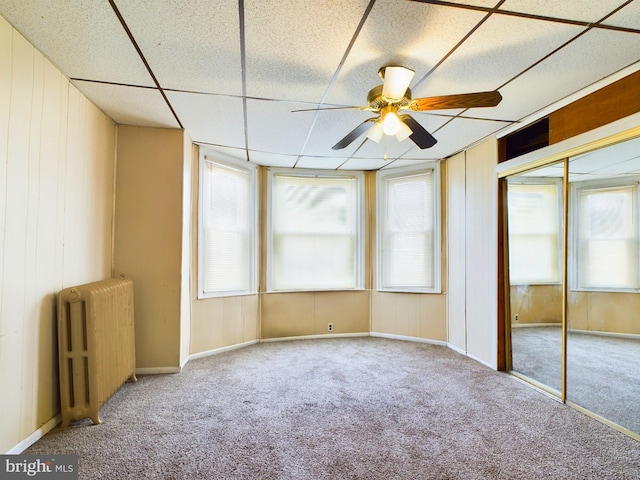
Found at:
(148, 242)
(456, 236)
(72, 251)
(31, 302)
(10, 385)
(481, 252)
(45, 238)
(15, 233)
(45, 375)
(61, 183)
(6, 72)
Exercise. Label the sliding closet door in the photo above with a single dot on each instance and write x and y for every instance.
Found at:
(535, 233)
(603, 337)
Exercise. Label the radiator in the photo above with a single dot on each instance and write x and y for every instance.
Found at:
(96, 347)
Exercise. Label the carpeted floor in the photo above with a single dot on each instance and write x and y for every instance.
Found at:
(603, 372)
(344, 408)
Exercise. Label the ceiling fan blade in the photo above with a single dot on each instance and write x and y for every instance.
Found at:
(351, 107)
(353, 134)
(420, 136)
(396, 81)
(463, 100)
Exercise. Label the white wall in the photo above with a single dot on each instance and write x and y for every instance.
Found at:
(56, 204)
(456, 221)
(481, 258)
(472, 306)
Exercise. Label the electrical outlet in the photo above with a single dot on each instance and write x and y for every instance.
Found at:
(516, 317)
(330, 327)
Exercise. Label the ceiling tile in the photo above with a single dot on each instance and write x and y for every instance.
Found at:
(590, 58)
(482, 64)
(215, 119)
(582, 11)
(628, 17)
(218, 152)
(294, 47)
(406, 163)
(412, 34)
(461, 133)
(193, 46)
(321, 163)
(82, 37)
(130, 105)
(272, 159)
(363, 164)
(273, 127)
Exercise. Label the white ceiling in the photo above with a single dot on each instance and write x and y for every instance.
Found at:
(231, 71)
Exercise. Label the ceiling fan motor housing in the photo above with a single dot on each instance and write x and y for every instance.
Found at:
(376, 101)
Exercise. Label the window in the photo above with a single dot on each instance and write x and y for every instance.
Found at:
(607, 237)
(227, 233)
(315, 232)
(534, 233)
(409, 230)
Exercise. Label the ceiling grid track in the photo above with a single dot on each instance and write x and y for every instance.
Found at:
(589, 26)
(531, 16)
(144, 60)
(243, 69)
(232, 73)
(335, 76)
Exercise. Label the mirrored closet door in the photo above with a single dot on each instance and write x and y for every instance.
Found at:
(535, 228)
(574, 295)
(603, 314)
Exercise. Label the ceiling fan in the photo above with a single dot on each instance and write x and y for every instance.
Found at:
(394, 96)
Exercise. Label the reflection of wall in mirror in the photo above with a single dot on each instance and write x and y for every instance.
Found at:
(536, 304)
(613, 312)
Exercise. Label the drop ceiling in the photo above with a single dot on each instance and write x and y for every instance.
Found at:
(232, 72)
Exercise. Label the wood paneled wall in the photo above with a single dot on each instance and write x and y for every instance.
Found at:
(56, 204)
(481, 247)
(151, 239)
(610, 103)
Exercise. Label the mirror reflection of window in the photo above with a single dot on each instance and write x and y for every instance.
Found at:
(607, 240)
(534, 231)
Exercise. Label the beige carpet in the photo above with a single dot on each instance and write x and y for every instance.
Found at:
(603, 372)
(352, 408)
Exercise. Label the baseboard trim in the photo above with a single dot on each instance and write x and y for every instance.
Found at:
(527, 325)
(408, 338)
(483, 362)
(632, 336)
(35, 436)
(314, 337)
(457, 349)
(215, 351)
(157, 370)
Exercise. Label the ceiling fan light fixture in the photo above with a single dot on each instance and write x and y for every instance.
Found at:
(396, 81)
(391, 124)
(375, 133)
(404, 132)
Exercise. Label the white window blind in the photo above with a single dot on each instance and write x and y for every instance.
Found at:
(408, 253)
(534, 233)
(227, 229)
(608, 238)
(315, 232)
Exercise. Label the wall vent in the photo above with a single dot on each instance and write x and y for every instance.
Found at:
(525, 140)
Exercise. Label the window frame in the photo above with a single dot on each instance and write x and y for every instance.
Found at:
(251, 170)
(358, 176)
(381, 203)
(558, 182)
(574, 252)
